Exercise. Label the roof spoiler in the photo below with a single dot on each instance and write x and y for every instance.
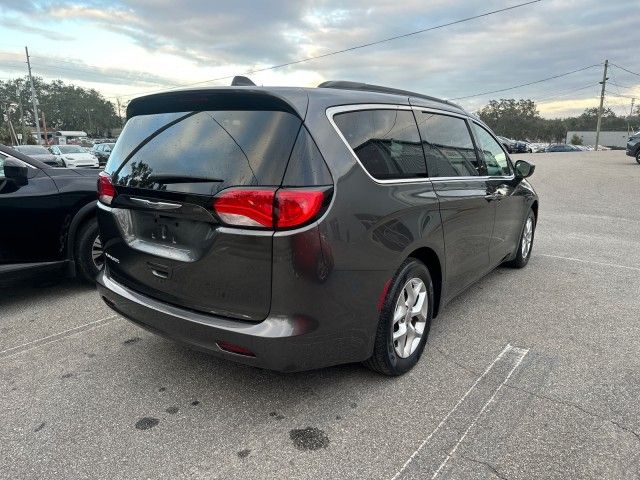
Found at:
(240, 81)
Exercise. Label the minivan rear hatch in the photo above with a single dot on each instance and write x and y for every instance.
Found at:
(162, 236)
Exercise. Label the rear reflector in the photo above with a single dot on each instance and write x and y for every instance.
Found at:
(268, 208)
(106, 190)
(233, 348)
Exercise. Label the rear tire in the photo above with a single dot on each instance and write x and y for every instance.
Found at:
(87, 240)
(410, 289)
(523, 252)
(638, 156)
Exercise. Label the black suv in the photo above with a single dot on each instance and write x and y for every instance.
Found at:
(48, 218)
(294, 228)
(633, 146)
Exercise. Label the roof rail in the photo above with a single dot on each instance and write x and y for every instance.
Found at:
(366, 87)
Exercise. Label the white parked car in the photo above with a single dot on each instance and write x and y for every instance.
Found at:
(74, 156)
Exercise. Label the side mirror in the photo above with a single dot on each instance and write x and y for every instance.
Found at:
(524, 169)
(15, 171)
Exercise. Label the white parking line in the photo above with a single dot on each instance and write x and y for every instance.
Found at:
(506, 350)
(604, 264)
(522, 352)
(25, 347)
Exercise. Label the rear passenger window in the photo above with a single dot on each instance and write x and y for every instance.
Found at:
(386, 142)
(494, 157)
(448, 147)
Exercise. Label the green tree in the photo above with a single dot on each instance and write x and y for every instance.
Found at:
(66, 107)
(576, 140)
(511, 118)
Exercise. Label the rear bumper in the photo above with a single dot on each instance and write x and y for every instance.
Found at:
(281, 343)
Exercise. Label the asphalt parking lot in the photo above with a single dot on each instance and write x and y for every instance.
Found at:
(531, 373)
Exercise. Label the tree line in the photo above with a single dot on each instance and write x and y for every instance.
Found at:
(65, 107)
(520, 119)
(69, 107)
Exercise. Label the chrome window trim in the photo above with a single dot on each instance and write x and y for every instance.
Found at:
(332, 111)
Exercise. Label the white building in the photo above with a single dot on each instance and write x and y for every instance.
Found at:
(608, 139)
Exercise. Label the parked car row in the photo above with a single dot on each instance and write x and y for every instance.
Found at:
(72, 156)
(633, 146)
(514, 146)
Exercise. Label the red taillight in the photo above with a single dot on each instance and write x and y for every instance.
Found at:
(268, 208)
(106, 190)
(244, 207)
(233, 348)
(296, 207)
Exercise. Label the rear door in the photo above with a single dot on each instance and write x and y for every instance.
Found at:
(467, 214)
(161, 235)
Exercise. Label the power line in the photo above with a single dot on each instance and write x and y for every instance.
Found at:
(622, 86)
(626, 70)
(350, 49)
(527, 84)
(591, 85)
(620, 95)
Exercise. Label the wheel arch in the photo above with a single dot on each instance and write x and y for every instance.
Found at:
(82, 215)
(534, 207)
(430, 258)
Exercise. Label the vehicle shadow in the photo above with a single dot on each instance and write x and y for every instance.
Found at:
(23, 293)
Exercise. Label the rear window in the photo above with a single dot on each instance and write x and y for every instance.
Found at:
(448, 147)
(386, 142)
(203, 152)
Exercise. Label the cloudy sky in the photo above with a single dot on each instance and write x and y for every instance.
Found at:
(127, 47)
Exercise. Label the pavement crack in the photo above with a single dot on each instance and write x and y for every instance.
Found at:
(455, 362)
(577, 407)
(451, 359)
(493, 469)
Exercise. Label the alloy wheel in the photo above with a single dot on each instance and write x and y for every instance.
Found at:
(410, 317)
(97, 254)
(527, 238)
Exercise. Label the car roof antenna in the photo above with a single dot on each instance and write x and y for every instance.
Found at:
(240, 81)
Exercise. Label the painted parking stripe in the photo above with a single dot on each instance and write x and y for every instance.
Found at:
(509, 359)
(25, 347)
(593, 262)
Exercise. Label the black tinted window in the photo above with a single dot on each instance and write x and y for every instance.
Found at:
(448, 147)
(205, 152)
(386, 142)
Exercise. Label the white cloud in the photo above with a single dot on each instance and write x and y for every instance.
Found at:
(193, 40)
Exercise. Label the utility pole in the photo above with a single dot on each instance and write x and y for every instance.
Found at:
(34, 100)
(44, 124)
(22, 112)
(120, 111)
(603, 82)
(633, 101)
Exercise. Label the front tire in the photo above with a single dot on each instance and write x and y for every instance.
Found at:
(404, 322)
(638, 156)
(88, 254)
(525, 245)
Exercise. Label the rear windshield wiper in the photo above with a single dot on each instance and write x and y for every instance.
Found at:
(169, 179)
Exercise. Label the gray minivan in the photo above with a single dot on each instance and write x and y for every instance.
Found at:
(297, 228)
